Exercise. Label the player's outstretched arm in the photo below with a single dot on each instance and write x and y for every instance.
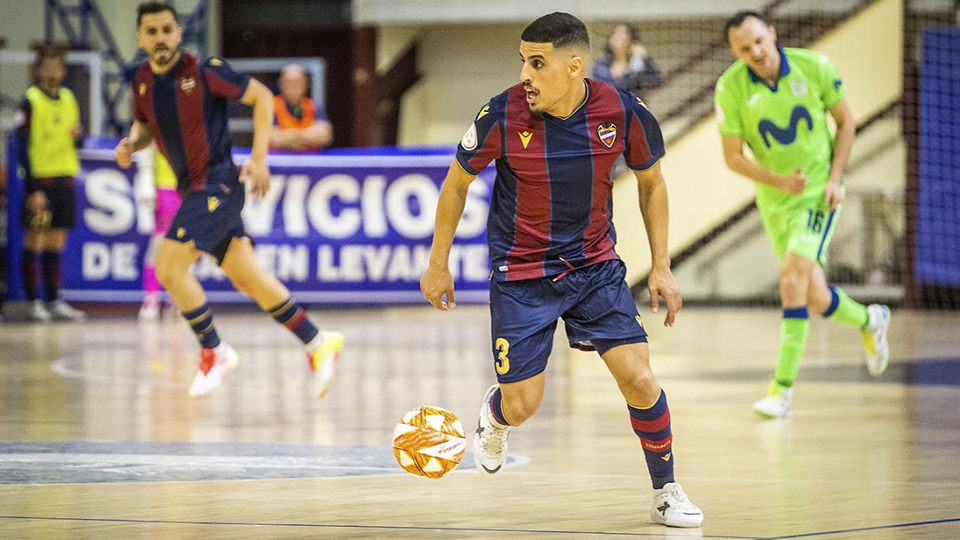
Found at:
(738, 163)
(437, 281)
(654, 205)
(139, 138)
(255, 172)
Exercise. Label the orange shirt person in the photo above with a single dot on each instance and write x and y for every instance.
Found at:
(299, 124)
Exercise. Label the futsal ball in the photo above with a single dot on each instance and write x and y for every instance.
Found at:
(429, 442)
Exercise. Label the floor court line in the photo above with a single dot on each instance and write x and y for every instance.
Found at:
(861, 529)
(373, 527)
(746, 480)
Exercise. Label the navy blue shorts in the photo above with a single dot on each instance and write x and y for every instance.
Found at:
(61, 211)
(594, 302)
(210, 219)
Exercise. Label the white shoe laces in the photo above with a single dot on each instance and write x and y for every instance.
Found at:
(681, 496)
(494, 439)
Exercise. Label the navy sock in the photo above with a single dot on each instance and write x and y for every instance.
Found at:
(496, 407)
(28, 269)
(50, 266)
(201, 320)
(294, 317)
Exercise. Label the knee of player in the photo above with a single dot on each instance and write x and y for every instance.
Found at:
(521, 407)
(641, 382)
(168, 272)
(792, 278)
(243, 281)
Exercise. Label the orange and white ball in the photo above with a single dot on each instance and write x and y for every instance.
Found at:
(429, 442)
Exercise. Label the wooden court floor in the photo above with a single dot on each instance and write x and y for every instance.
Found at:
(98, 438)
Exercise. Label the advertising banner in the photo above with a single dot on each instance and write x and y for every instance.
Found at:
(348, 228)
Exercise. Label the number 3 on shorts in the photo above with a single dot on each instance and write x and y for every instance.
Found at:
(502, 362)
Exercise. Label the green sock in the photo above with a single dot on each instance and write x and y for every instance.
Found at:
(846, 310)
(793, 340)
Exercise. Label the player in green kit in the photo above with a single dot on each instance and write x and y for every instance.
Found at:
(776, 102)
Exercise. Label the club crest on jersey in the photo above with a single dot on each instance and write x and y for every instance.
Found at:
(607, 133)
(188, 84)
(799, 88)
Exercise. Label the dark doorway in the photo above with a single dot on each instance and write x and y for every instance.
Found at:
(280, 28)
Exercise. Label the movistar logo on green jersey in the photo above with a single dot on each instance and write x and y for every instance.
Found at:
(785, 136)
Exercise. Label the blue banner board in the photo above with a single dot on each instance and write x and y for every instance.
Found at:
(938, 225)
(340, 228)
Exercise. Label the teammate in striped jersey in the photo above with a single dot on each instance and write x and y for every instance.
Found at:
(182, 104)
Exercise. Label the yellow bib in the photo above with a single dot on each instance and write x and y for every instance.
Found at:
(52, 151)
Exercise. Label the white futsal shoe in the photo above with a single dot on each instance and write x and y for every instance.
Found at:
(874, 336)
(777, 402)
(62, 311)
(323, 360)
(672, 508)
(214, 365)
(37, 312)
(490, 441)
(150, 309)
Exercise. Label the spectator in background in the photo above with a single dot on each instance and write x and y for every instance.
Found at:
(626, 63)
(300, 125)
(49, 128)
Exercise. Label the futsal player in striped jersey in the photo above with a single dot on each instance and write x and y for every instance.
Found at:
(181, 103)
(554, 138)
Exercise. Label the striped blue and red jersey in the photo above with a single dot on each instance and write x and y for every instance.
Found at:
(551, 209)
(186, 108)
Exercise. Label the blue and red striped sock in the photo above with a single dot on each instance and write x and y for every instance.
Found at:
(496, 408)
(652, 425)
(292, 315)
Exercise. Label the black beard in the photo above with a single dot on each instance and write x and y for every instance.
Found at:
(173, 54)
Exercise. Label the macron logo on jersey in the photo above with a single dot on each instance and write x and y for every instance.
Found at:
(525, 138)
(785, 136)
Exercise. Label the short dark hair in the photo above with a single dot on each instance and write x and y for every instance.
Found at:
(49, 51)
(54, 51)
(738, 19)
(149, 8)
(560, 29)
